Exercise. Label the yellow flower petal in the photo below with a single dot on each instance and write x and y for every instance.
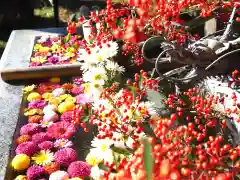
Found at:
(28, 89)
(47, 96)
(21, 162)
(33, 96)
(70, 99)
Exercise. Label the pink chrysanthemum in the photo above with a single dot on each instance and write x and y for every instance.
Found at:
(78, 80)
(38, 104)
(30, 129)
(65, 156)
(79, 169)
(67, 116)
(46, 145)
(27, 148)
(62, 129)
(83, 99)
(35, 171)
(77, 90)
(40, 137)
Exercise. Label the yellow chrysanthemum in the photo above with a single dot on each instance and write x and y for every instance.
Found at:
(37, 47)
(55, 80)
(39, 59)
(31, 112)
(33, 96)
(70, 99)
(21, 162)
(44, 157)
(21, 177)
(87, 88)
(55, 100)
(44, 49)
(47, 96)
(64, 96)
(28, 89)
(65, 106)
(70, 54)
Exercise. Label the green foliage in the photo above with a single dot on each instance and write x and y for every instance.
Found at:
(148, 159)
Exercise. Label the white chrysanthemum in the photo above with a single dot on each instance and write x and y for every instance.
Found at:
(97, 74)
(113, 66)
(101, 149)
(109, 49)
(96, 172)
(50, 108)
(58, 92)
(58, 175)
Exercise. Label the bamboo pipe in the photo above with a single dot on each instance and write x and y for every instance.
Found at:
(40, 72)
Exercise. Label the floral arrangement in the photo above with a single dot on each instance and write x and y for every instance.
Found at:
(55, 49)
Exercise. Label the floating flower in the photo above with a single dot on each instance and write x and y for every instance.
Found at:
(61, 129)
(65, 156)
(65, 106)
(79, 169)
(47, 87)
(52, 167)
(46, 124)
(28, 89)
(78, 80)
(30, 129)
(67, 116)
(58, 92)
(21, 162)
(23, 138)
(43, 157)
(50, 116)
(55, 101)
(59, 175)
(83, 99)
(33, 96)
(35, 171)
(40, 137)
(21, 177)
(27, 148)
(35, 119)
(68, 86)
(70, 100)
(92, 159)
(31, 112)
(45, 145)
(39, 59)
(38, 104)
(62, 143)
(49, 108)
(77, 90)
(47, 96)
(96, 172)
(53, 59)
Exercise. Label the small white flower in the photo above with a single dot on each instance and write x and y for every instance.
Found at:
(96, 172)
(110, 49)
(58, 175)
(49, 108)
(113, 66)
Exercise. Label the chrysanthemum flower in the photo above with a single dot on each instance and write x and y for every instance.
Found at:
(78, 80)
(39, 104)
(65, 156)
(30, 129)
(45, 145)
(58, 92)
(61, 129)
(40, 137)
(68, 86)
(23, 138)
(35, 171)
(50, 116)
(83, 99)
(52, 167)
(79, 169)
(77, 90)
(35, 119)
(21, 177)
(67, 116)
(21, 162)
(43, 157)
(27, 148)
(59, 175)
(62, 143)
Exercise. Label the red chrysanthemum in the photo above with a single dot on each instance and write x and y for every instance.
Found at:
(61, 129)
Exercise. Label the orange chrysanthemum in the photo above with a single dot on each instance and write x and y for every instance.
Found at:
(68, 86)
(35, 119)
(23, 138)
(52, 167)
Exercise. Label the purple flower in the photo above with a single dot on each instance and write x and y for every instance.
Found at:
(77, 80)
(62, 143)
(65, 156)
(77, 90)
(83, 99)
(38, 104)
(28, 148)
(53, 59)
(45, 145)
(40, 137)
(67, 116)
(30, 129)
(35, 171)
(79, 169)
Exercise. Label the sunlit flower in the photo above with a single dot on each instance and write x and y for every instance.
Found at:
(62, 129)
(59, 175)
(96, 172)
(28, 89)
(58, 92)
(62, 143)
(43, 157)
(39, 59)
(79, 169)
(113, 66)
(65, 156)
(27, 148)
(110, 49)
(52, 167)
(45, 145)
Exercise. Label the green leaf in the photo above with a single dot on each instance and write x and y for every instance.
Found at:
(67, 38)
(103, 167)
(85, 119)
(120, 150)
(148, 159)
